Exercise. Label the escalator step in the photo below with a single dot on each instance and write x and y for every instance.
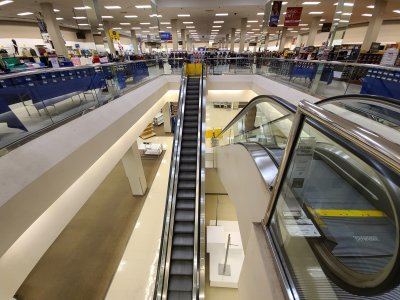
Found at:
(189, 144)
(192, 102)
(181, 267)
(190, 119)
(184, 215)
(187, 176)
(190, 137)
(182, 239)
(189, 151)
(182, 253)
(180, 283)
(175, 295)
(189, 124)
(187, 185)
(186, 195)
(191, 113)
(185, 204)
(192, 97)
(189, 130)
(187, 167)
(183, 227)
(188, 158)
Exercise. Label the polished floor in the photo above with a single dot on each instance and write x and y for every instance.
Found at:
(82, 261)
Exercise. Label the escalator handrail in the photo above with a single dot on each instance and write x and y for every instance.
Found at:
(259, 99)
(162, 270)
(374, 98)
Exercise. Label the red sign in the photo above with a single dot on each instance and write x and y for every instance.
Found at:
(293, 16)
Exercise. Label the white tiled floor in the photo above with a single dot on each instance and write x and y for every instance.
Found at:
(137, 271)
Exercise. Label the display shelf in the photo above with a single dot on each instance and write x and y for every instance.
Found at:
(370, 58)
(148, 132)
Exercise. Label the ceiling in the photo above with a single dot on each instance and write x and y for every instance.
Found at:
(202, 14)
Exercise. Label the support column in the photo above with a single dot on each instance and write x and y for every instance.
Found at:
(53, 29)
(183, 38)
(134, 170)
(174, 34)
(134, 41)
(188, 46)
(227, 41)
(374, 25)
(313, 31)
(266, 42)
(110, 42)
(255, 47)
(299, 40)
(243, 31)
(283, 39)
(148, 41)
(233, 39)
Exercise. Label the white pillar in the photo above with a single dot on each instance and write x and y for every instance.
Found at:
(110, 42)
(255, 47)
(188, 45)
(299, 40)
(375, 23)
(174, 34)
(134, 170)
(134, 41)
(233, 39)
(313, 31)
(53, 28)
(148, 43)
(266, 42)
(243, 30)
(227, 41)
(183, 38)
(283, 39)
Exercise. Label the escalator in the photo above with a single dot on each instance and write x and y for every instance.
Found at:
(335, 192)
(180, 255)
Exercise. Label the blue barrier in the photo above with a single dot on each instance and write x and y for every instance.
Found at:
(6, 115)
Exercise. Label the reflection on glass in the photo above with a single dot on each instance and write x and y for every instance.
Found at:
(336, 222)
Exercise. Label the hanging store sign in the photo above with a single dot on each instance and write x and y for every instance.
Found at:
(326, 27)
(293, 16)
(275, 13)
(165, 36)
(114, 35)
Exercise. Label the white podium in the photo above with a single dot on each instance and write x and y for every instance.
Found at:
(217, 237)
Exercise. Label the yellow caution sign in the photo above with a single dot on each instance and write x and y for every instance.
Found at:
(350, 213)
(193, 69)
(210, 132)
(114, 35)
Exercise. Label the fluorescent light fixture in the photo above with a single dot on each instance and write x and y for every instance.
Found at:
(193, 30)
(284, 13)
(397, 11)
(101, 29)
(107, 17)
(117, 28)
(311, 3)
(145, 31)
(260, 14)
(190, 26)
(169, 27)
(79, 18)
(248, 26)
(183, 15)
(145, 23)
(221, 14)
(155, 15)
(304, 28)
(187, 22)
(348, 4)
(124, 24)
(249, 32)
(82, 7)
(83, 25)
(294, 31)
(256, 29)
(346, 14)
(322, 20)
(303, 24)
(284, 3)
(252, 21)
(320, 24)
(59, 19)
(143, 6)
(217, 26)
(25, 13)
(315, 12)
(55, 10)
(336, 19)
(165, 23)
(5, 2)
(136, 28)
(219, 22)
(290, 29)
(280, 25)
(215, 30)
(112, 7)
(130, 16)
(371, 6)
(344, 21)
(153, 27)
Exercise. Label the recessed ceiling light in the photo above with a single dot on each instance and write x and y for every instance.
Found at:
(143, 6)
(371, 6)
(59, 19)
(187, 22)
(217, 26)
(221, 14)
(294, 31)
(190, 26)
(260, 14)
(280, 25)
(315, 12)
(78, 18)
(101, 29)
(107, 17)
(184, 15)
(165, 23)
(311, 3)
(320, 24)
(336, 19)
(215, 30)
(25, 13)
(169, 27)
(219, 22)
(124, 23)
(117, 28)
(248, 26)
(322, 20)
(256, 29)
(397, 11)
(155, 15)
(193, 30)
(153, 27)
(284, 13)
(284, 3)
(303, 24)
(83, 25)
(344, 21)
(130, 16)
(6, 2)
(250, 32)
(112, 7)
(145, 31)
(145, 23)
(348, 4)
(82, 7)
(252, 21)
(55, 10)
(346, 14)
(136, 28)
